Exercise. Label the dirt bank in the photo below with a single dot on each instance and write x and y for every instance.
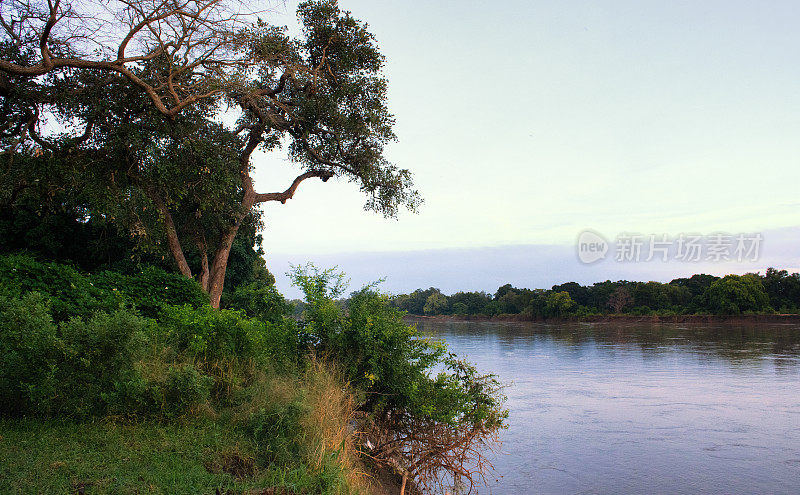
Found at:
(701, 319)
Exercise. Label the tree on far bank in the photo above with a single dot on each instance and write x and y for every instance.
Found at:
(559, 303)
(783, 289)
(735, 294)
(436, 304)
(620, 300)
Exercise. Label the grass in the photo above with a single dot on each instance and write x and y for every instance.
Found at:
(103, 457)
(190, 456)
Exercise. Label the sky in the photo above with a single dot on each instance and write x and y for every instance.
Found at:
(525, 123)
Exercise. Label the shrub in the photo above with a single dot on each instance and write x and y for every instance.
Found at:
(179, 389)
(425, 425)
(211, 334)
(132, 395)
(152, 289)
(74, 369)
(257, 300)
(70, 293)
(275, 429)
(185, 388)
(29, 352)
(99, 352)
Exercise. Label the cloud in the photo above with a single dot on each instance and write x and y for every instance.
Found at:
(531, 265)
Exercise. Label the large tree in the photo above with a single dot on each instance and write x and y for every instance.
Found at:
(149, 100)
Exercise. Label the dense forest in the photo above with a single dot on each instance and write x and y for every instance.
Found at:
(776, 291)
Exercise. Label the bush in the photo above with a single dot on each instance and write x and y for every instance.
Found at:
(152, 289)
(276, 429)
(181, 388)
(71, 369)
(211, 334)
(72, 293)
(257, 300)
(185, 388)
(69, 292)
(425, 425)
(29, 352)
(383, 356)
(99, 352)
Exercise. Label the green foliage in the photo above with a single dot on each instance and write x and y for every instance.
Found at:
(658, 296)
(257, 300)
(435, 304)
(72, 293)
(735, 294)
(152, 289)
(58, 227)
(459, 308)
(384, 357)
(783, 290)
(213, 335)
(275, 430)
(679, 297)
(29, 354)
(69, 292)
(185, 387)
(158, 174)
(69, 369)
(98, 352)
(577, 292)
(476, 303)
(448, 417)
(559, 303)
(414, 303)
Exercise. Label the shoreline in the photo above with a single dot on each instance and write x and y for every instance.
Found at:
(698, 319)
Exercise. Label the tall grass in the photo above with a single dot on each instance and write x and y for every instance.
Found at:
(328, 423)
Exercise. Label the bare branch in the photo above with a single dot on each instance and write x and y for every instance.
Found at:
(197, 38)
(289, 193)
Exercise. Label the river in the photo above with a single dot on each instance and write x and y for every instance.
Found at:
(625, 408)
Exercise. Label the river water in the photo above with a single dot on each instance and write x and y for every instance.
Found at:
(624, 408)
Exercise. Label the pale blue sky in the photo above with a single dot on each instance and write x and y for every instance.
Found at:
(526, 122)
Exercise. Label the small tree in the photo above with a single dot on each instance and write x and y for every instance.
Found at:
(620, 300)
(427, 427)
(436, 304)
(559, 303)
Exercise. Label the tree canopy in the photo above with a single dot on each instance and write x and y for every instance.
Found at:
(155, 108)
(775, 291)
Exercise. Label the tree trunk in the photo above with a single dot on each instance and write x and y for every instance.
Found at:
(216, 281)
(204, 273)
(173, 242)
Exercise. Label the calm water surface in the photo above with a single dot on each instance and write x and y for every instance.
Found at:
(627, 408)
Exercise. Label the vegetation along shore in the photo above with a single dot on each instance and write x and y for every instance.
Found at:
(773, 296)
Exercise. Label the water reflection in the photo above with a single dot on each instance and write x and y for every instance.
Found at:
(642, 408)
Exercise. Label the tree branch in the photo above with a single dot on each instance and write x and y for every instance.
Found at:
(289, 193)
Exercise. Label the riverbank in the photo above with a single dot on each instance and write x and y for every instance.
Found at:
(698, 319)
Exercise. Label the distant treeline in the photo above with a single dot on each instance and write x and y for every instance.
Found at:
(775, 291)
